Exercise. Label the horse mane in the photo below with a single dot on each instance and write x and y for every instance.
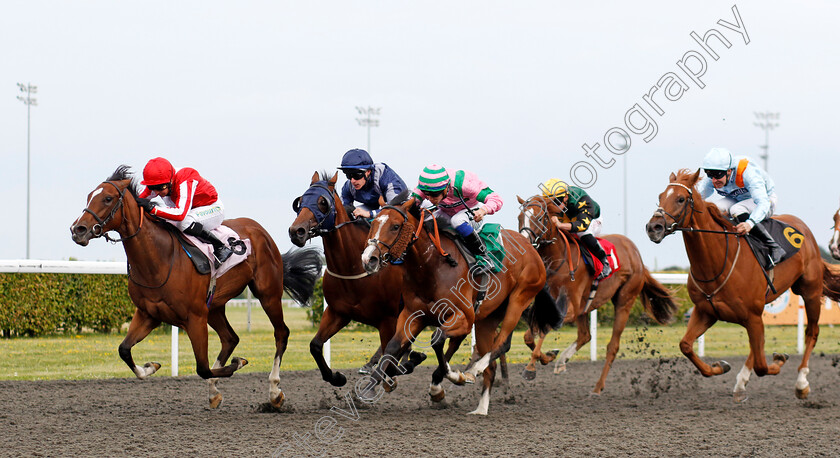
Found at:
(686, 177)
(123, 172)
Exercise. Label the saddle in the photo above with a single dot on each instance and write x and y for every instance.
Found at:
(491, 236)
(785, 235)
(201, 253)
(594, 265)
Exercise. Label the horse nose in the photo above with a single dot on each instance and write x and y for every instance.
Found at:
(371, 264)
(78, 229)
(654, 231)
(297, 235)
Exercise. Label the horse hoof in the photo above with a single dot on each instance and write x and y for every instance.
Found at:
(416, 357)
(438, 397)
(724, 366)
(780, 357)
(803, 393)
(549, 357)
(389, 387)
(594, 394)
(239, 362)
(338, 379)
(216, 401)
(407, 368)
(529, 375)
(278, 401)
(560, 368)
(469, 378)
(739, 396)
(477, 412)
(151, 367)
(366, 370)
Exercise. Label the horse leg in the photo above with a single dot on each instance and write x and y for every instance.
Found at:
(622, 313)
(516, 304)
(530, 372)
(697, 326)
(583, 337)
(273, 308)
(739, 393)
(444, 369)
(197, 332)
(484, 340)
(755, 332)
(227, 336)
(331, 323)
(484, 402)
(367, 369)
(406, 332)
(812, 331)
(141, 325)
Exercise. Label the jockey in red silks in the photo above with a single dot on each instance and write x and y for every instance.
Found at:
(193, 205)
(458, 196)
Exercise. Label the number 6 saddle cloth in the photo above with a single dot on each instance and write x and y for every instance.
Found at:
(785, 235)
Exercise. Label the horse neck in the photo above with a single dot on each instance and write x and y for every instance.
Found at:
(707, 252)
(150, 250)
(423, 252)
(343, 248)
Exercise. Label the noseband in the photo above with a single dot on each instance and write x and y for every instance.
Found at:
(397, 249)
(536, 239)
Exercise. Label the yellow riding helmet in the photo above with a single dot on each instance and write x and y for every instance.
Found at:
(554, 188)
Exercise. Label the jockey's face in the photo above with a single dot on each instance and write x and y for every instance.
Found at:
(357, 180)
(721, 182)
(436, 197)
(161, 190)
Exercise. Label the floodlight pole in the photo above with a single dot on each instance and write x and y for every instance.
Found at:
(767, 121)
(27, 100)
(368, 121)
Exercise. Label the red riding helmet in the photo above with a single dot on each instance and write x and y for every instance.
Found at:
(158, 171)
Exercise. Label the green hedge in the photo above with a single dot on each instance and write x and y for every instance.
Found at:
(38, 304)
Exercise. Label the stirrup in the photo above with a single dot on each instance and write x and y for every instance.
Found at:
(223, 253)
(605, 271)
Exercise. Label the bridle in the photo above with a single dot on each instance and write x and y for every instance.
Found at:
(98, 228)
(397, 249)
(537, 239)
(318, 229)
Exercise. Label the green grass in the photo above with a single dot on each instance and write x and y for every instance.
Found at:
(91, 356)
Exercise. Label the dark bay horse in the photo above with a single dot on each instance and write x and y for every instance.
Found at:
(438, 293)
(165, 286)
(351, 292)
(834, 243)
(566, 274)
(726, 281)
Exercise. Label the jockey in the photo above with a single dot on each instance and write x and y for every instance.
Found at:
(583, 215)
(367, 182)
(749, 194)
(457, 195)
(193, 205)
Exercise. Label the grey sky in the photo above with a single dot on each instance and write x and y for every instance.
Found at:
(259, 95)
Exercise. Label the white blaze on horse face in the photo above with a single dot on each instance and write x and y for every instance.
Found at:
(668, 193)
(526, 222)
(381, 219)
(92, 195)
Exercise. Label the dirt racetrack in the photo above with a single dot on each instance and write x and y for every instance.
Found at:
(649, 408)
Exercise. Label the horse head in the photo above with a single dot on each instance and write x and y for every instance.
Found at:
(105, 209)
(676, 206)
(834, 245)
(317, 209)
(534, 221)
(390, 233)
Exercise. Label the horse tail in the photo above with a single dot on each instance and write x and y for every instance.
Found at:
(301, 269)
(547, 313)
(658, 300)
(831, 281)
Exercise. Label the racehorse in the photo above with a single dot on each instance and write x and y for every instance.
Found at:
(561, 253)
(165, 286)
(440, 290)
(724, 286)
(834, 244)
(351, 292)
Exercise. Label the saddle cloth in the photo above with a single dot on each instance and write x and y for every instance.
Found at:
(785, 235)
(491, 236)
(594, 264)
(226, 235)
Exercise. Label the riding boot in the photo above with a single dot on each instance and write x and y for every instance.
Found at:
(595, 248)
(776, 251)
(477, 248)
(221, 251)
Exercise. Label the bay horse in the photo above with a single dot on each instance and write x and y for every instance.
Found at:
(834, 243)
(724, 286)
(439, 292)
(165, 287)
(351, 292)
(567, 275)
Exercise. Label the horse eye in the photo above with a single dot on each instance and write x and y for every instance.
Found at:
(681, 199)
(108, 199)
(395, 227)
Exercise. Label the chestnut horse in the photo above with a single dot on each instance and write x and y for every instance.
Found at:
(834, 244)
(165, 286)
(566, 274)
(352, 294)
(438, 293)
(726, 286)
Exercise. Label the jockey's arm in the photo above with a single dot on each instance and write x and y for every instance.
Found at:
(186, 192)
(758, 191)
(705, 188)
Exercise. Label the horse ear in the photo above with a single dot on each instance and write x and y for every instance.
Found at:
(521, 200)
(315, 178)
(382, 202)
(333, 180)
(695, 177)
(673, 177)
(406, 206)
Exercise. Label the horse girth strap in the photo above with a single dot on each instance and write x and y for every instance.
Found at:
(725, 280)
(436, 236)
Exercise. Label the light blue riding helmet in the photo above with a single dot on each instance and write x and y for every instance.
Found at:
(718, 159)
